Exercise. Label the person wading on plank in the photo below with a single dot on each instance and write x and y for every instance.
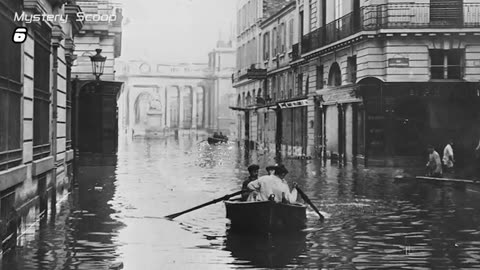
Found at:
(448, 159)
(434, 164)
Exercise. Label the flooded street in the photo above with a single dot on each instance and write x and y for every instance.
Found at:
(115, 215)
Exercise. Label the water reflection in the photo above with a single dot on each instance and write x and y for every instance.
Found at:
(373, 223)
(266, 250)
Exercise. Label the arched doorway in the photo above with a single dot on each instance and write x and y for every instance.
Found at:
(96, 117)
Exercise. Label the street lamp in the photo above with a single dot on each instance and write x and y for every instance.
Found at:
(98, 63)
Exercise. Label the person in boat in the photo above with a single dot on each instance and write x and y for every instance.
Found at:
(434, 164)
(271, 169)
(221, 136)
(215, 135)
(253, 175)
(281, 172)
(275, 186)
(448, 159)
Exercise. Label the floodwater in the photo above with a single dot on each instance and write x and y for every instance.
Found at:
(115, 215)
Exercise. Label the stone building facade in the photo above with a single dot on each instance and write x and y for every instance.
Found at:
(380, 80)
(95, 116)
(35, 143)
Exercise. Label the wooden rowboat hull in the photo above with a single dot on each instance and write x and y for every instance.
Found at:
(212, 140)
(265, 216)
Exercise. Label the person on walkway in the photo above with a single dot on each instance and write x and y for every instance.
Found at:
(448, 159)
(253, 175)
(275, 186)
(434, 164)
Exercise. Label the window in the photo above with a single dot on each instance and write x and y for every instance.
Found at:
(290, 84)
(338, 9)
(274, 42)
(274, 86)
(266, 46)
(41, 93)
(10, 88)
(290, 34)
(446, 64)
(307, 84)
(352, 68)
(319, 74)
(300, 84)
(284, 37)
(334, 75)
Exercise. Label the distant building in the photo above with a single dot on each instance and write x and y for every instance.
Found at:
(221, 65)
(159, 98)
(250, 78)
(187, 97)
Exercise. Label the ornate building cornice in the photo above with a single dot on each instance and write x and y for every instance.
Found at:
(57, 35)
(71, 11)
(34, 6)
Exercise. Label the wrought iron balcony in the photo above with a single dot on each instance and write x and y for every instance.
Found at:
(394, 16)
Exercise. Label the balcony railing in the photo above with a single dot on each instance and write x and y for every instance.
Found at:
(394, 16)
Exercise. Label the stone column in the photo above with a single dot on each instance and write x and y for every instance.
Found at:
(181, 114)
(193, 100)
(166, 122)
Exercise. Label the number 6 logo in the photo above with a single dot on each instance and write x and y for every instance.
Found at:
(20, 35)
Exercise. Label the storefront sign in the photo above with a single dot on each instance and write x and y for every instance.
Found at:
(293, 104)
(399, 62)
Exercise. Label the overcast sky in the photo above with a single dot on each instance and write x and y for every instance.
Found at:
(174, 30)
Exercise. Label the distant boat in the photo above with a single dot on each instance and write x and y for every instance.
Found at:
(215, 140)
(266, 216)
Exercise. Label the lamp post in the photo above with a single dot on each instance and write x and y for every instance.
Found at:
(98, 64)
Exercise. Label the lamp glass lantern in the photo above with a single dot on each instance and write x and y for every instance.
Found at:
(98, 63)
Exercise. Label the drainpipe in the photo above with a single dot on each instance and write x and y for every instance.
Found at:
(57, 36)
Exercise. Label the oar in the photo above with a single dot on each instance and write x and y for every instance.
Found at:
(307, 200)
(226, 197)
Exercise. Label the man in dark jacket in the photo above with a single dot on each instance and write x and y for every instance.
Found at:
(253, 175)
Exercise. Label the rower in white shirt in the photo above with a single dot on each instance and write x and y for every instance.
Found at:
(276, 185)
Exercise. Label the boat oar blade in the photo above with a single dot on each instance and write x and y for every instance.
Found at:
(307, 200)
(226, 197)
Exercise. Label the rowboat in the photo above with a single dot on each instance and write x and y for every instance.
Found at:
(212, 140)
(266, 216)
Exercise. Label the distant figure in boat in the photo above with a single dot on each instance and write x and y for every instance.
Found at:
(434, 164)
(253, 175)
(275, 185)
(448, 159)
